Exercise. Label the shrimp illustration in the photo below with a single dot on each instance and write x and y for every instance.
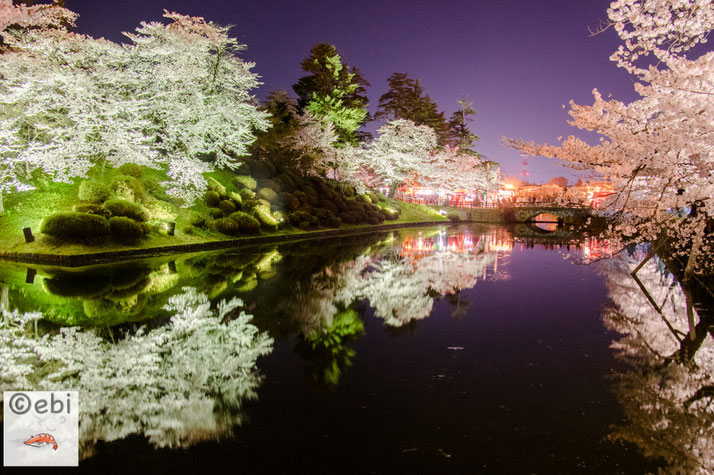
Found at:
(41, 440)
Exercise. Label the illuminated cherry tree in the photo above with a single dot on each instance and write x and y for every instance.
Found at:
(176, 98)
(449, 170)
(400, 149)
(658, 151)
(36, 16)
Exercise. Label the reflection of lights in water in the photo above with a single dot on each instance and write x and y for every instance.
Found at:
(586, 252)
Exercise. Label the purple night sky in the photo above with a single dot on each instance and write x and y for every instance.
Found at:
(518, 61)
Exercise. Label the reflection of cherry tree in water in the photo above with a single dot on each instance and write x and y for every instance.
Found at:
(669, 395)
(176, 384)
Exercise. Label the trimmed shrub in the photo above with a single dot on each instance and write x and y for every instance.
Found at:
(373, 196)
(301, 196)
(279, 217)
(197, 219)
(246, 194)
(290, 202)
(260, 169)
(131, 169)
(381, 196)
(265, 218)
(160, 209)
(128, 188)
(273, 184)
(247, 223)
(93, 191)
(227, 226)
(128, 209)
(75, 227)
(333, 222)
(215, 185)
(212, 199)
(363, 199)
(287, 183)
(453, 217)
(268, 194)
(389, 215)
(227, 206)
(237, 198)
(311, 195)
(125, 229)
(215, 213)
(245, 181)
(99, 210)
(303, 220)
(188, 229)
(327, 205)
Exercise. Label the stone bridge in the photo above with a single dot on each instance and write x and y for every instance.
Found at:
(526, 212)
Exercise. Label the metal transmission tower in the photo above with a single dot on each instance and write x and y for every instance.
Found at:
(524, 165)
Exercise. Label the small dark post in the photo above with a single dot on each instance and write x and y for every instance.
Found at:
(172, 228)
(28, 234)
(172, 267)
(30, 277)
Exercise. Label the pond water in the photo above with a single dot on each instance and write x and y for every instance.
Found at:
(453, 349)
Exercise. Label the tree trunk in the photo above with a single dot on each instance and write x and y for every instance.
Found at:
(393, 189)
(696, 244)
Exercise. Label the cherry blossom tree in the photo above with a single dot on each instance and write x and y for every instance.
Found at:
(450, 169)
(176, 98)
(658, 151)
(400, 149)
(36, 16)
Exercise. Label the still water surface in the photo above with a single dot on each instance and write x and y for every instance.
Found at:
(462, 349)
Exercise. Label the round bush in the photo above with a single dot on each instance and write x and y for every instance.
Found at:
(131, 169)
(227, 206)
(127, 209)
(212, 199)
(128, 188)
(265, 218)
(188, 229)
(327, 205)
(333, 222)
(246, 194)
(301, 196)
(237, 198)
(93, 191)
(82, 228)
(125, 229)
(290, 202)
(259, 169)
(215, 213)
(215, 185)
(92, 209)
(268, 195)
(245, 181)
(247, 223)
(197, 219)
(227, 226)
(287, 183)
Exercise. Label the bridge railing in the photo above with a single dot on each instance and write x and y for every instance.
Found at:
(545, 204)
